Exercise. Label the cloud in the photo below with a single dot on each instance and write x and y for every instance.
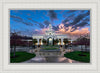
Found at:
(78, 18)
(55, 27)
(52, 15)
(41, 25)
(80, 25)
(46, 22)
(32, 20)
(27, 23)
(19, 19)
(16, 18)
(87, 18)
(61, 29)
(43, 30)
(68, 19)
(65, 20)
(73, 29)
(72, 32)
(36, 23)
(77, 21)
(71, 11)
(35, 32)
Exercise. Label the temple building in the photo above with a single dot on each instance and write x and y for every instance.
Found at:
(49, 35)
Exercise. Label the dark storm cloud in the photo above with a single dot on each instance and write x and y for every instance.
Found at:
(41, 25)
(19, 19)
(46, 22)
(80, 20)
(27, 23)
(71, 11)
(87, 18)
(76, 20)
(79, 25)
(52, 15)
(16, 18)
(73, 29)
(82, 24)
(56, 27)
(37, 23)
(80, 17)
(66, 20)
(33, 20)
(71, 16)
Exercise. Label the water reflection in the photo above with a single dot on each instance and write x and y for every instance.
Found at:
(63, 59)
(51, 60)
(38, 59)
(70, 61)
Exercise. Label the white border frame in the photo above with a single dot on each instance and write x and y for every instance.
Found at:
(53, 67)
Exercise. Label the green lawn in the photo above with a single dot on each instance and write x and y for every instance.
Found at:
(76, 56)
(20, 57)
(50, 47)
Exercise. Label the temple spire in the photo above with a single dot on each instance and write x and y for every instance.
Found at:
(50, 27)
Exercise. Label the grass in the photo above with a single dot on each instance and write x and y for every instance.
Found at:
(76, 56)
(21, 57)
(50, 47)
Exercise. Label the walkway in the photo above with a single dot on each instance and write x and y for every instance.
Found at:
(50, 60)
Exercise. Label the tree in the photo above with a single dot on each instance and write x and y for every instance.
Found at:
(44, 41)
(14, 41)
(56, 41)
(83, 41)
(34, 41)
(65, 41)
(47, 41)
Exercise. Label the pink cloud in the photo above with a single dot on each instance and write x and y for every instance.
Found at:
(73, 34)
(42, 31)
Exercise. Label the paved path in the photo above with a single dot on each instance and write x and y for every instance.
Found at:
(53, 59)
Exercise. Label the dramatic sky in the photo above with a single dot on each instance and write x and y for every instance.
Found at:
(73, 23)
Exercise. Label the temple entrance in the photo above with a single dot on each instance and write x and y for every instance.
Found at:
(50, 41)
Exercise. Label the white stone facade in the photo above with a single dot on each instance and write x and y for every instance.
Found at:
(49, 34)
